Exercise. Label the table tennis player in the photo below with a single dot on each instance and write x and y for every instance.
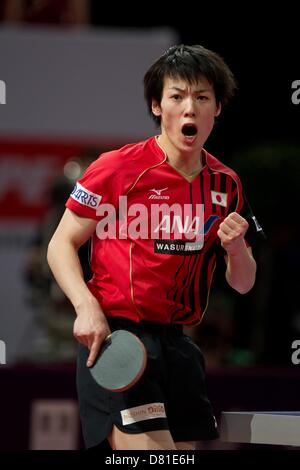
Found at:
(160, 213)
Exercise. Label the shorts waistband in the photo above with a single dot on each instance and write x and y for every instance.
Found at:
(147, 326)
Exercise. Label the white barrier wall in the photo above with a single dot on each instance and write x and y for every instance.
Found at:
(82, 84)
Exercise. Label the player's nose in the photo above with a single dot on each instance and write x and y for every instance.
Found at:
(189, 109)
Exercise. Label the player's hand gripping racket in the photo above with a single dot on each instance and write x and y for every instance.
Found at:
(121, 361)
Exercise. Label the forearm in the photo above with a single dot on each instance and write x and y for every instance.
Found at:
(241, 269)
(90, 326)
(65, 265)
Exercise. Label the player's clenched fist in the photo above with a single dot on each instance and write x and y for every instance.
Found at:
(232, 231)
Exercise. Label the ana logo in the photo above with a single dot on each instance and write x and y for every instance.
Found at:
(158, 194)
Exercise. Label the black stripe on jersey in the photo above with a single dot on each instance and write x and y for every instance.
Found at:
(188, 279)
(212, 187)
(179, 294)
(223, 185)
(191, 292)
(175, 287)
(191, 194)
(234, 198)
(201, 180)
(179, 297)
(223, 182)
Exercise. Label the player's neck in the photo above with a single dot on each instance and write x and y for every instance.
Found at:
(189, 165)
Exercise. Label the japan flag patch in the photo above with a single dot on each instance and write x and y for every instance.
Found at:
(219, 198)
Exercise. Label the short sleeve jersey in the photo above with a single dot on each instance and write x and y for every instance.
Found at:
(162, 275)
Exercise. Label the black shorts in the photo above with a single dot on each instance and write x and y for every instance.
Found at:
(171, 393)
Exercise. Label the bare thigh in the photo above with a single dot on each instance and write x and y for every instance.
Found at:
(189, 445)
(153, 440)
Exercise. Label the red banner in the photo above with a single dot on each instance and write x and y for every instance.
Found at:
(28, 174)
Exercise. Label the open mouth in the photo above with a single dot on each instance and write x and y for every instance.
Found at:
(189, 130)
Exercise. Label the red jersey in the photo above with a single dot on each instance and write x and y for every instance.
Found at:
(160, 279)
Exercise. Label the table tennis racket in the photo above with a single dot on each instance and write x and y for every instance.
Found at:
(121, 361)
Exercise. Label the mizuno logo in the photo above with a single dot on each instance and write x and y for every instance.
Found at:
(158, 191)
(158, 194)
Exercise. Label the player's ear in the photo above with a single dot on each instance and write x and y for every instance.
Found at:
(218, 109)
(156, 110)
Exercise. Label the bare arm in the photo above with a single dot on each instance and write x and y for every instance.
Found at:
(241, 266)
(90, 327)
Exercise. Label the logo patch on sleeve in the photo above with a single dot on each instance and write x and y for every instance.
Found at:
(143, 412)
(85, 197)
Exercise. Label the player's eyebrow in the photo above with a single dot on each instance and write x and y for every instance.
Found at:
(202, 90)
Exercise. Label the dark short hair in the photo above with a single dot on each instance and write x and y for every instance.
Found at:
(189, 63)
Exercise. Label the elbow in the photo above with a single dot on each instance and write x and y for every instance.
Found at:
(242, 282)
(244, 289)
(242, 286)
(50, 251)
